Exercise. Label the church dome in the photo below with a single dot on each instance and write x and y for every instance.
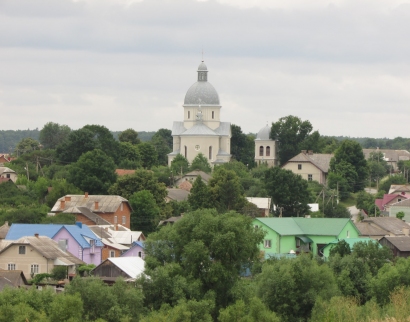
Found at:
(264, 133)
(202, 92)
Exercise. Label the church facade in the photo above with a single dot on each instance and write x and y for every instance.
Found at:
(201, 130)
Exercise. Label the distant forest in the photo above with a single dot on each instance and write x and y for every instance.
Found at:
(10, 138)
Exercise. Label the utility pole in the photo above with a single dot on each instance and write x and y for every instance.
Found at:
(28, 175)
(337, 192)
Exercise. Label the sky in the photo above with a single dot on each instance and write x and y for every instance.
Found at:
(344, 65)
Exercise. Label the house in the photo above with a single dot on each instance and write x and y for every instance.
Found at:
(263, 205)
(8, 173)
(116, 239)
(388, 199)
(4, 230)
(310, 166)
(400, 246)
(350, 241)
(399, 189)
(78, 239)
(95, 209)
(378, 227)
(401, 206)
(176, 195)
(35, 255)
(392, 157)
(169, 221)
(4, 159)
(129, 268)
(191, 177)
(13, 279)
(137, 249)
(302, 235)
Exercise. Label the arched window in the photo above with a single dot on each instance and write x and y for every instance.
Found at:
(261, 151)
(189, 114)
(268, 151)
(185, 151)
(210, 153)
(213, 114)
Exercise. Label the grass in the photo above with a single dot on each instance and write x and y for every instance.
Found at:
(351, 201)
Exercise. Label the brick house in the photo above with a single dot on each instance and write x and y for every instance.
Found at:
(95, 209)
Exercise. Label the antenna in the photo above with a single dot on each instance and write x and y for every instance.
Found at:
(202, 54)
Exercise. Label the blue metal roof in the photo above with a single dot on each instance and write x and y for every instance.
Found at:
(50, 230)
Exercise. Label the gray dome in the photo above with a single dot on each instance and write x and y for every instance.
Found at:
(202, 66)
(201, 93)
(264, 133)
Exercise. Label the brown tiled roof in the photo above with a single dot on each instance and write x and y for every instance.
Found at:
(185, 185)
(391, 155)
(177, 194)
(321, 161)
(106, 203)
(14, 277)
(366, 229)
(390, 224)
(401, 243)
(123, 172)
(205, 176)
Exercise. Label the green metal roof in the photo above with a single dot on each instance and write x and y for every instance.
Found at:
(306, 226)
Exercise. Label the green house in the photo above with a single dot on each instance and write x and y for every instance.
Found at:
(302, 235)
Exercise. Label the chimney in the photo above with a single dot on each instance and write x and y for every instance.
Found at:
(96, 205)
(310, 152)
(36, 235)
(67, 198)
(86, 194)
(406, 231)
(304, 151)
(116, 227)
(79, 224)
(62, 204)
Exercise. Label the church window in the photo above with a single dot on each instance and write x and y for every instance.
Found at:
(213, 114)
(185, 151)
(261, 151)
(210, 153)
(268, 151)
(189, 114)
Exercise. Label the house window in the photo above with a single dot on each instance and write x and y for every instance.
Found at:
(124, 220)
(22, 250)
(213, 114)
(347, 234)
(299, 167)
(256, 226)
(398, 200)
(139, 254)
(189, 114)
(267, 243)
(63, 244)
(268, 151)
(309, 177)
(297, 242)
(8, 175)
(210, 153)
(92, 246)
(112, 253)
(11, 267)
(261, 151)
(115, 219)
(34, 269)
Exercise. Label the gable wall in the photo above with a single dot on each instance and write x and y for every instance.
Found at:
(134, 252)
(307, 168)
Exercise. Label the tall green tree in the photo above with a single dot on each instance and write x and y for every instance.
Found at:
(149, 156)
(349, 162)
(129, 136)
(212, 249)
(200, 196)
(293, 134)
(201, 163)
(179, 165)
(289, 192)
(384, 185)
(77, 143)
(242, 146)
(27, 145)
(94, 172)
(226, 190)
(52, 134)
(129, 156)
(146, 213)
(162, 141)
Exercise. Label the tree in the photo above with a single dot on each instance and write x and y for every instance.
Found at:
(127, 185)
(104, 139)
(200, 196)
(129, 136)
(242, 146)
(364, 200)
(373, 254)
(146, 213)
(400, 215)
(210, 248)
(53, 134)
(201, 163)
(149, 156)
(254, 311)
(342, 248)
(179, 165)
(338, 182)
(290, 287)
(94, 172)
(291, 132)
(129, 156)
(349, 162)
(288, 191)
(59, 188)
(162, 141)
(394, 179)
(27, 145)
(77, 143)
(226, 190)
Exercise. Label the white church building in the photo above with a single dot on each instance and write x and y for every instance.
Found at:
(202, 131)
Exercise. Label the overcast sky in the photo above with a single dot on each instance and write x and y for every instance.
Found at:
(344, 65)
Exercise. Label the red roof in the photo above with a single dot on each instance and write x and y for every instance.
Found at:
(123, 172)
(388, 198)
